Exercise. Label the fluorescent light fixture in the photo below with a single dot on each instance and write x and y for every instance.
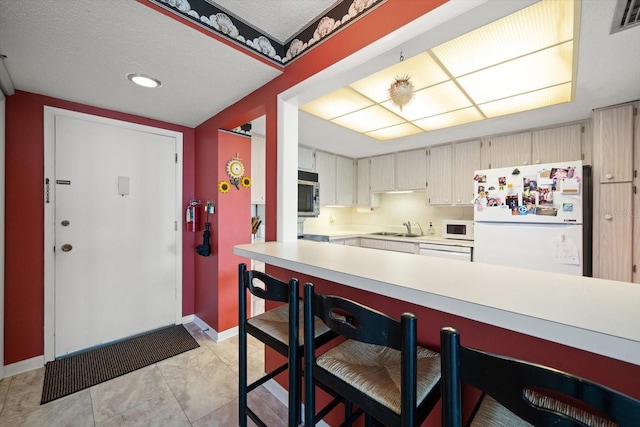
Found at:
(6, 84)
(518, 63)
(144, 80)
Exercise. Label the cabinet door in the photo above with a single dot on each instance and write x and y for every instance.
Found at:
(440, 175)
(305, 159)
(509, 150)
(613, 143)
(615, 232)
(466, 161)
(258, 168)
(411, 170)
(373, 243)
(326, 169)
(383, 173)
(345, 181)
(557, 145)
(363, 197)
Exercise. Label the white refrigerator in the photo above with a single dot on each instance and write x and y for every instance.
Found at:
(531, 217)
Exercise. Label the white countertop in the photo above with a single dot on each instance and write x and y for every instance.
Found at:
(348, 234)
(600, 316)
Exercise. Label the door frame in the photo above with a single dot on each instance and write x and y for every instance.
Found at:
(50, 113)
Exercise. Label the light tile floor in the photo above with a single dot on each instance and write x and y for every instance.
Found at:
(197, 388)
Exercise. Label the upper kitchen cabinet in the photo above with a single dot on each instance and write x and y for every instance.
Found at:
(305, 159)
(336, 176)
(411, 170)
(363, 185)
(613, 143)
(326, 169)
(383, 173)
(440, 174)
(345, 181)
(557, 145)
(258, 169)
(466, 161)
(508, 150)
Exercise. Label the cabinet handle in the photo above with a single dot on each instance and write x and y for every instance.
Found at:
(537, 162)
(525, 162)
(608, 176)
(458, 201)
(608, 217)
(446, 201)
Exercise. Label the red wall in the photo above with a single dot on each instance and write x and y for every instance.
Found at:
(24, 222)
(216, 288)
(613, 373)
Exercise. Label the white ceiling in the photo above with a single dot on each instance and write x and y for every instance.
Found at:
(82, 50)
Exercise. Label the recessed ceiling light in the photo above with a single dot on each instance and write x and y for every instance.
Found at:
(143, 80)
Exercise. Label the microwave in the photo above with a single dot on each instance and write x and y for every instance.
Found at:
(457, 229)
(308, 194)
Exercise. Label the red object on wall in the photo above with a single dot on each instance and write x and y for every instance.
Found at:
(193, 216)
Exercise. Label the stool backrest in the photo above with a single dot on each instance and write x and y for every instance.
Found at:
(538, 394)
(264, 286)
(361, 323)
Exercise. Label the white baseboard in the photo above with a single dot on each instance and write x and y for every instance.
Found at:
(24, 366)
(187, 319)
(212, 333)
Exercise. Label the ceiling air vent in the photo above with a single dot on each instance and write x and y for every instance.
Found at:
(626, 15)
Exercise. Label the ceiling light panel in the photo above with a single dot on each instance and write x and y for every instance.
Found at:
(521, 62)
(542, 69)
(422, 70)
(539, 26)
(432, 101)
(337, 103)
(529, 101)
(454, 118)
(368, 119)
(394, 132)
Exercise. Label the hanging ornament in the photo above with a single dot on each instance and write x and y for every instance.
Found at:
(401, 91)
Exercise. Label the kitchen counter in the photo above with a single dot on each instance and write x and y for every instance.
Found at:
(349, 234)
(599, 316)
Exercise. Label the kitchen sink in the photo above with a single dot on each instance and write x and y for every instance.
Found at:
(386, 233)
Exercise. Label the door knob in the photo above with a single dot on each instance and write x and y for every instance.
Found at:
(66, 247)
(608, 216)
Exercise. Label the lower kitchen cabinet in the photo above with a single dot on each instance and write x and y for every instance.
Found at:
(349, 241)
(390, 245)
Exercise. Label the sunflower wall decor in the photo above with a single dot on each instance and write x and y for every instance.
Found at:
(235, 170)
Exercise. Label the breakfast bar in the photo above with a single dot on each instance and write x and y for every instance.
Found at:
(581, 325)
(598, 316)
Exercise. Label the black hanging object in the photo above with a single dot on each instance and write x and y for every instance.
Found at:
(205, 248)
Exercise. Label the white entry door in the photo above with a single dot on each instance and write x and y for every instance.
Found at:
(115, 233)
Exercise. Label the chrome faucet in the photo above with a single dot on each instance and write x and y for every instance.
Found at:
(421, 232)
(408, 225)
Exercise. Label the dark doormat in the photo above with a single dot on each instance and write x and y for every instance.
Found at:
(77, 372)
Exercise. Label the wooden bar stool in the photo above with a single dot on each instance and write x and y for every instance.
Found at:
(275, 328)
(379, 368)
(521, 394)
